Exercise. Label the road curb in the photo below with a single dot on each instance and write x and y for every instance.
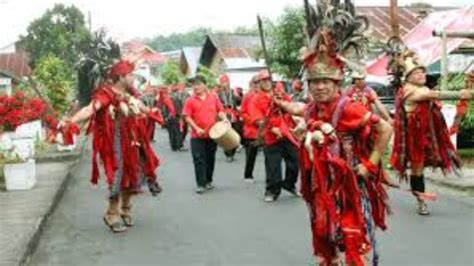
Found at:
(36, 236)
(465, 185)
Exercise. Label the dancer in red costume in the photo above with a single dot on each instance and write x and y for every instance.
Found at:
(421, 134)
(118, 123)
(341, 156)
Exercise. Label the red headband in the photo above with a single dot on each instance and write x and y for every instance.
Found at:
(121, 68)
(224, 79)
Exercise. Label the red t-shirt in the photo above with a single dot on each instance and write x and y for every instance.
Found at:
(166, 102)
(351, 119)
(260, 108)
(250, 129)
(203, 112)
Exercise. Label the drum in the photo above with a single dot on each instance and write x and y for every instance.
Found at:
(225, 136)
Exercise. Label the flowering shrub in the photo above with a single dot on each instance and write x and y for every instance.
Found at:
(18, 109)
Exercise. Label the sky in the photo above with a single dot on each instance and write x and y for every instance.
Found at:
(140, 18)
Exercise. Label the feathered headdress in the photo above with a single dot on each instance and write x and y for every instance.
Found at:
(402, 61)
(334, 30)
(97, 57)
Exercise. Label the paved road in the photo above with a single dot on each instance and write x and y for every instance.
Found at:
(232, 225)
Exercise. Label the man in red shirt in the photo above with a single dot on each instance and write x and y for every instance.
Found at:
(166, 106)
(229, 101)
(361, 92)
(201, 111)
(298, 93)
(250, 130)
(274, 131)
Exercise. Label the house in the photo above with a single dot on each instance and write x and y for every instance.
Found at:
(148, 62)
(13, 67)
(429, 48)
(189, 60)
(234, 55)
(14, 62)
(174, 55)
(408, 17)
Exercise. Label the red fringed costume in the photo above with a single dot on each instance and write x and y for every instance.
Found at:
(344, 209)
(421, 135)
(137, 154)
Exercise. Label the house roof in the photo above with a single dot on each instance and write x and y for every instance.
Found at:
(235, 41)
(136, 50)
(428, 47)
(172, 55)
(191, 55)
(231, 46)
(15, 64)
(379, 19)
(243, 63)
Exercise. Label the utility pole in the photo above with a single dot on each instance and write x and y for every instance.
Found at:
(89, 19)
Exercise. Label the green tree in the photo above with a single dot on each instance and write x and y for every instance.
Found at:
(285, 39)
(56, 82)
(58, 32)
(176, 41)
(171, 74)
(209, 76)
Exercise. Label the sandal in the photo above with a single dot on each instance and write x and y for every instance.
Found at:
(154, 187)
(423, 208)
(116, 227)
(126, 217)
(127, 220)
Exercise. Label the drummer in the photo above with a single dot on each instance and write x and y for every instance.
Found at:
(200, 112)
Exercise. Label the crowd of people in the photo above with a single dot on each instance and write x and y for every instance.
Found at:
(331, 139)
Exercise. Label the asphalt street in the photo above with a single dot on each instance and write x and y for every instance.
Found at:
(231, 225)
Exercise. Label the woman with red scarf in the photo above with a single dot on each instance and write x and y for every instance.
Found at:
(118, 122)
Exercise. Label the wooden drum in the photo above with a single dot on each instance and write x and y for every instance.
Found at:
(225, 136)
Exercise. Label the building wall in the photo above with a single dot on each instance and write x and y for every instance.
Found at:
(217, 63)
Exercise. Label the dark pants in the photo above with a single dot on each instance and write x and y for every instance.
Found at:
(273, 157)
(184, 133)
(175, 135)
(204, 158)
(251, 152)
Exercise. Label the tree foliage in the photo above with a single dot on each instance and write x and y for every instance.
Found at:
(286, 37)
(55, 80)
(58, 32)
(209, 76)
(171, 74)
(176, 41)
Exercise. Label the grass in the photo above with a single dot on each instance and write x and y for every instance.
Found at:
(466, 153)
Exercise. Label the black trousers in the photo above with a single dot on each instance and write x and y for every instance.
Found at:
(204, 158)
(274, 154)
(174, 133)
(251, 152)
(184, 133)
